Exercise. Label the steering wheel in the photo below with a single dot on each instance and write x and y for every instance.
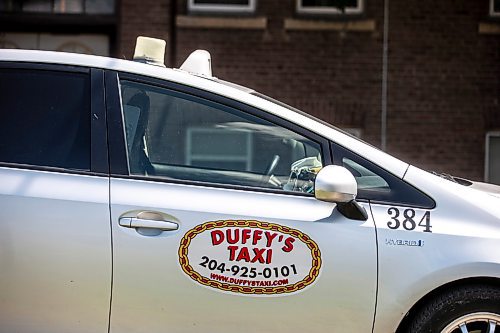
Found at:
(270, 169)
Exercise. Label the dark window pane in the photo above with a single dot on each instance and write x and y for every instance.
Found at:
(174, 135)
(378, 185)
(99, 6)
(10, 5)
(68, 6)
(222, 2)
(494, 160)
(59, 6)
(330, 3)
(45, 118)
(40, 6)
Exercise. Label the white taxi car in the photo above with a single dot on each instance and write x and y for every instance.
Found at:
(137, 198)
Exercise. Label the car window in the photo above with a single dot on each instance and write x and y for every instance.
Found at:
(376, 184)
(45, 118)
(178, 136)
(365, 178)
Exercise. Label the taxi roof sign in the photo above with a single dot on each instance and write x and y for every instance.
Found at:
(150, 51)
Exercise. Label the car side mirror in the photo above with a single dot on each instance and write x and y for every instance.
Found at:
(336, 184)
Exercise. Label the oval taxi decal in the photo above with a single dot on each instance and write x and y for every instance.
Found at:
(250, 257)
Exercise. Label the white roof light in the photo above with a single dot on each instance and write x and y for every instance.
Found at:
(199, 62)
(150, 51)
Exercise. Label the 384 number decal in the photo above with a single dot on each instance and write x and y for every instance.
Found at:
(408, 219)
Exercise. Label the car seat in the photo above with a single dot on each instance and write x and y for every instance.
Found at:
(138, 160)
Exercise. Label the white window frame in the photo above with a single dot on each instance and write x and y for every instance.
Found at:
(492, 9)
(487, 154)
(221, 8)
(225, 158)
(329, 10)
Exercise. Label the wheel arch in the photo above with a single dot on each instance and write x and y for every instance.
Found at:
(479, 280)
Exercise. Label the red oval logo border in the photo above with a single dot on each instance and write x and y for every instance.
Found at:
(188, 269)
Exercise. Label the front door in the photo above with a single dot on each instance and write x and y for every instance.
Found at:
(215, 225)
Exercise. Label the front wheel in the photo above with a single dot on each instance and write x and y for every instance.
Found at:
(479, 322)
(468, 309)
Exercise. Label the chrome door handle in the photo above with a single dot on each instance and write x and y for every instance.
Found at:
(135, 222)
(148, 220)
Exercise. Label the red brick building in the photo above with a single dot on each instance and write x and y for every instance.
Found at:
(418, 78)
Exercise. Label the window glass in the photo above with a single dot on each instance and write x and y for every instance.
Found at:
(97, 44)
(222, 5)
(45, 118)
(36, 6)
(495, 7)
(99, 6)
(60, 6)
(68, 6)
(178, 136)
(493, 158)
(329, 3)
(221, 2)
(378, 185)
(365, 178)
(329, 6)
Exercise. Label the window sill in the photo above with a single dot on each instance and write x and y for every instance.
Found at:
(489, 28)
(315, 25)
(197, 22)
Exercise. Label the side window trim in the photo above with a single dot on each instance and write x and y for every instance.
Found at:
(44, 66)
(98, 132)
(96, 127)
(118, 161)
(116, 135)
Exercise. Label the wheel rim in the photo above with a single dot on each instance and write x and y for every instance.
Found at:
(480, 322)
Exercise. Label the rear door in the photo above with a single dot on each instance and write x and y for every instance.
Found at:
(55, 240)
(215, 225)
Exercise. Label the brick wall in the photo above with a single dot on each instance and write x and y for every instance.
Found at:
(443, 84)
(151, 18)
(443, 78)
(334, 75)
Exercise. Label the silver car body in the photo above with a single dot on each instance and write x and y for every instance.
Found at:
(68, 265)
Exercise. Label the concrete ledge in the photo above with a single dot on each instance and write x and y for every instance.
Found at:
(489, 28)
(200, 22)
(297, 24)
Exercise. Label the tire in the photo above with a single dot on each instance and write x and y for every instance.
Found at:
(464, 309)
